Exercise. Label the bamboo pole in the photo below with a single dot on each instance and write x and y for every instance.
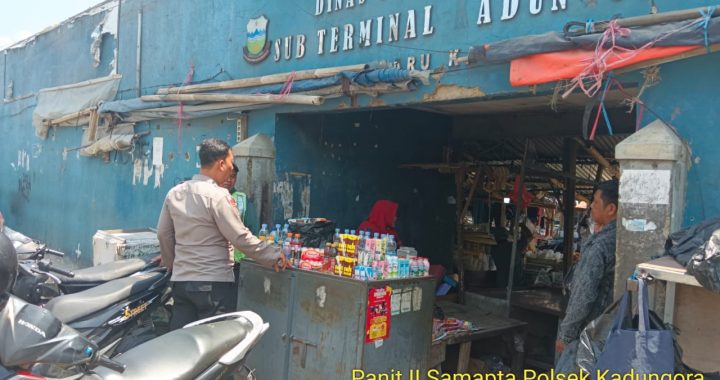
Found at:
(240, 98)
(263, 80)
(598, 157)
(659, 61)
(70, 117)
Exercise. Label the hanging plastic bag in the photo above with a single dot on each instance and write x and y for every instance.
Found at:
(643, 350)
(705, 266)
(683, 245)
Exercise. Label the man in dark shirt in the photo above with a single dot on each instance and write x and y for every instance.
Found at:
(591, 287)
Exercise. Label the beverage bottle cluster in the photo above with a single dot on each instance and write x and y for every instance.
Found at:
(360, 255)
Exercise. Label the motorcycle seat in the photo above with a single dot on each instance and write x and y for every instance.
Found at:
(105, 272)
(180, 354)
(71, 307)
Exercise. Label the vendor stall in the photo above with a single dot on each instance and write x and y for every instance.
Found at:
(324, 326)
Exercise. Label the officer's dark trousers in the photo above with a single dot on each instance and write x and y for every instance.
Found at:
(195, 300)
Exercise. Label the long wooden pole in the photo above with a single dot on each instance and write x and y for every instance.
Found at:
(240, 98)
(70, 117)
(569, 167)
(517, 231)
(468, 200)
(262, 80)
(598, 157)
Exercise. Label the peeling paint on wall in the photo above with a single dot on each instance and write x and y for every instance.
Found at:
(452, 92)
(305, 198)
(109, 25)
(294, 184)
(285, 191)
(23, 160)
(148, 172)
(137, 171)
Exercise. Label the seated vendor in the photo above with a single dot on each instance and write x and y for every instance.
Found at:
(382, 219)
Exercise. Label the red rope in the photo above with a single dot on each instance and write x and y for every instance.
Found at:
(287, 87)
(591, 78)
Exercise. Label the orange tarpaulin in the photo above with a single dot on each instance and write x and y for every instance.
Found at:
(555, 66)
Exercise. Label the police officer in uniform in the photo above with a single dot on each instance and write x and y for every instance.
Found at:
(197, 221)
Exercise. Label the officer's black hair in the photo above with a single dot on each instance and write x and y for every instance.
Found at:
(609, 191)
(212, 150)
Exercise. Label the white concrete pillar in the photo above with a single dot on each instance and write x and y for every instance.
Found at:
(654, 162)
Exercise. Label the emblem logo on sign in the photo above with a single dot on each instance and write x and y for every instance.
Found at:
(257, 48)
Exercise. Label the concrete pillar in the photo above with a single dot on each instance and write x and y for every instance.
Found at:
(654, 162)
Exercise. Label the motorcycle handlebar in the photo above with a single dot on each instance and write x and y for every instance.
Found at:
(47, 267)
(111, 364)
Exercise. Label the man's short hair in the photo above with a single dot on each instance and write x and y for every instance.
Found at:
(610, 190)
(212, 150)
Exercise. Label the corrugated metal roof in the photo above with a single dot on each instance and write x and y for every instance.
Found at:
(543, 149)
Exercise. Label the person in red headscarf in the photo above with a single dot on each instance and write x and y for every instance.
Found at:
(382, 219)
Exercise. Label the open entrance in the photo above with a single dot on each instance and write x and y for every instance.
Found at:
(454, 169)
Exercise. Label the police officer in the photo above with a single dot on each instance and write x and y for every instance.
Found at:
(197, 221)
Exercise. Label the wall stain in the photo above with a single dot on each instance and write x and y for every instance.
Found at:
(452, 92)
(24, 186)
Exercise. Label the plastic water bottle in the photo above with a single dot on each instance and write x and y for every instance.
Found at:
(336, 238)
(277, 232)
(296, 248)
(391, 247)
(287, 251)
(262, 235)
(286, 229)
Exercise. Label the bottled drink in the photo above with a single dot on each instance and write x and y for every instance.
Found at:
(352, 232)
(262, 235)
(286, 229)
(271, 239)
(287, 251)
(336, 238)
(277, 232)
(391, 247)
(382, 245)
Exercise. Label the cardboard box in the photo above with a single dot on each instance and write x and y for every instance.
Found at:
(111, 245)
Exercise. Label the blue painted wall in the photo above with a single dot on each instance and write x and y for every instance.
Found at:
(64, 200)
(354, 159)
(695, 116)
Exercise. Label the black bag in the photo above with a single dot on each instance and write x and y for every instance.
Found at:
(314, 233)
(705, 266)
(683, 245)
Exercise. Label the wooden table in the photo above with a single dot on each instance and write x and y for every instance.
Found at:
(490, 326)
(669, 270)
(693, 311)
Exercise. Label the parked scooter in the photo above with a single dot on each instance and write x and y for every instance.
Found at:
(40, 281)
(34, 340)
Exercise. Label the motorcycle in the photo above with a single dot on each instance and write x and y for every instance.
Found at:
(40, 281)
(117, 315)
(34, 340)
